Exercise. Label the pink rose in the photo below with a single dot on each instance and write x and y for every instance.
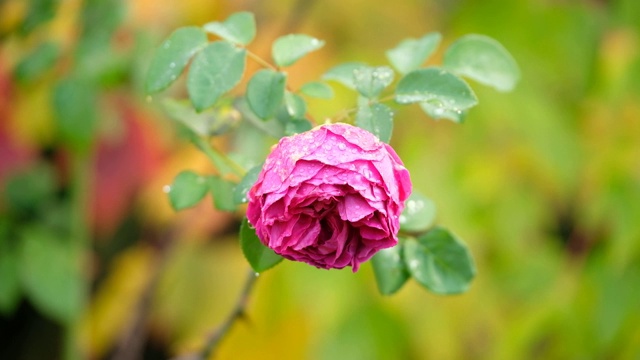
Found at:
(330, 197)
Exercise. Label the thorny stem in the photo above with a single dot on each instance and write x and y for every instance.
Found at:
(237, 313)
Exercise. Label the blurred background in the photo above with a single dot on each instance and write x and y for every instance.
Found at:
(542, 183)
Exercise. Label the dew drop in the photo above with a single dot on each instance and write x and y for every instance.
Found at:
(342, 146)
(172, 65)
(167, 44)
(166, 189)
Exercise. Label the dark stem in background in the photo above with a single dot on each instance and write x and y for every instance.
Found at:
(131, 343)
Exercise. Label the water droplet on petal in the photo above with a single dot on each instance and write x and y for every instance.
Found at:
(166, 189)
(342, 146)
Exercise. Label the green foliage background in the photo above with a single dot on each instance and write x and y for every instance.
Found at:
(542, 183)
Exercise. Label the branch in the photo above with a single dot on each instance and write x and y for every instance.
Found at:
(237, 313)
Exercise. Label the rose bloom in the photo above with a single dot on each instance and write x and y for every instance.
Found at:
(330, 197)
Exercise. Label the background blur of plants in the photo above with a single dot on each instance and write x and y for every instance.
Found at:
(542, 183)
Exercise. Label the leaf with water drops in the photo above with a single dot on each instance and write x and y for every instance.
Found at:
(370, 81)
(410, 54)
(265, 92)
(260, 257)
(296, 107)
(389, 269)
(317, 89)
(440, 262)
(377, 119)
(222, 192)
(239, 28)
(343, 73)
(483, 59)
(242, 189)
(438, 87)
(187, 190)
(419, 213)
(288, 49)
(215, 70)
(172, 57)
(438, 112)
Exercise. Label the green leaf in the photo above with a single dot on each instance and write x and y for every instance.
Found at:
(187, 190)
(51, 274)
(343, 73)
(377, 119)
(438, 112)
(216, 69)
(265, 92)
(317, 89)
(75, 104)
(437, 87)
(410, 54)
(389, 269)
(239, 28)
(222, 192)
(288, 49)
(297, 126)
(172, 57)
(483, 59)
(211, 122)
(419, 213)
(440, 262)
(9, 274)
(36, 63)
(370, 81)
(242, 189)
(260, 257)
(296, 107)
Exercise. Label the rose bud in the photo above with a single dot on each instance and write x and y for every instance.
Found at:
(330, 197)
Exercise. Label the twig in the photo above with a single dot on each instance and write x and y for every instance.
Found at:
(237, 313)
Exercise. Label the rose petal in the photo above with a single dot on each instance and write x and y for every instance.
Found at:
(330, 197)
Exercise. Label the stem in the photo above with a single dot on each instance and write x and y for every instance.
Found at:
(261, 61)
(237, 313)
(345, 113)
(222, 162)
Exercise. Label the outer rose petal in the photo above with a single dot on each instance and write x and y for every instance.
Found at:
(330, 197)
